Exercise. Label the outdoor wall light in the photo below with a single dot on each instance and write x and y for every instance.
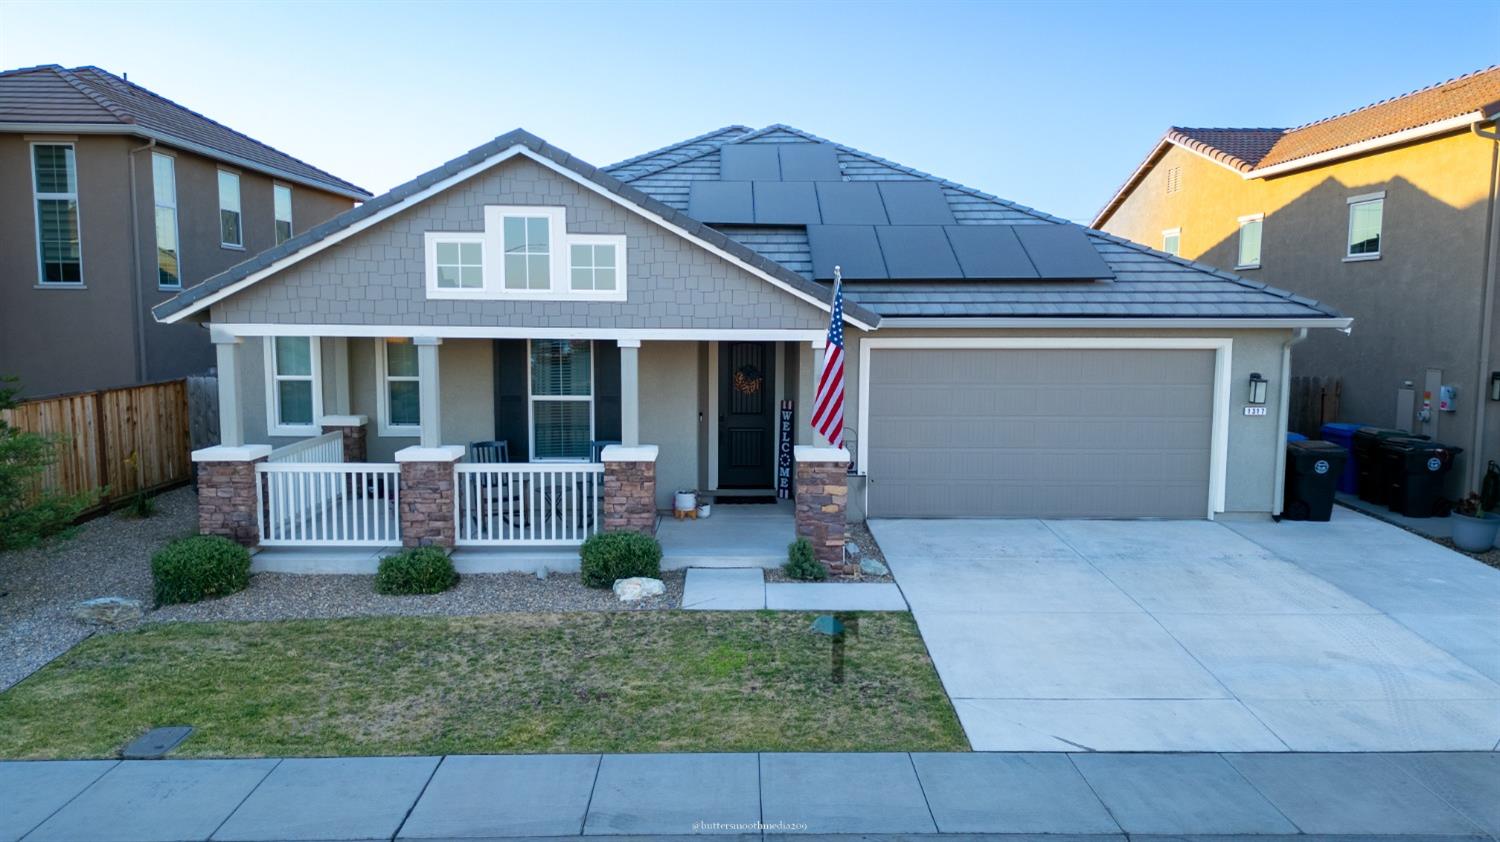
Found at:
(1257, 388)
(1495, 385)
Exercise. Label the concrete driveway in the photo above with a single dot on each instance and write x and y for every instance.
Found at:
(1352, 635)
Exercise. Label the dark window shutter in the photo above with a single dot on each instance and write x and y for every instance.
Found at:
(511, 370)
(607, 390)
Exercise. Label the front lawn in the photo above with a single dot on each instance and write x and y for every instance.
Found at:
(584, 682)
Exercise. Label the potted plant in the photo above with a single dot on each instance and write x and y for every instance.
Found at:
(1474, 529)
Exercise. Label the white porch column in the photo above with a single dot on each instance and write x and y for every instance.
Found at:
(630, 392)
(337, 400)
(231, 421)
(428, 390)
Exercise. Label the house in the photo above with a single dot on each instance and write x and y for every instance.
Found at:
(1389, 211)
(655, 325)
(112, 200)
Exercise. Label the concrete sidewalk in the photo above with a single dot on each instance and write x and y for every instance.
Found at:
(1104, 796)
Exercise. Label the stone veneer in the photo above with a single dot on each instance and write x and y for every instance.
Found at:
(822, 503)
(226, 492)
(427, 500)
(630, 489)
(353, 427)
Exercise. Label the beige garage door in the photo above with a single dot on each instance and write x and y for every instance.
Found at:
(1039, 433)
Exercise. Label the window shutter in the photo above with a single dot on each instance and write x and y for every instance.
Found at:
(607, 389)
(511, 371)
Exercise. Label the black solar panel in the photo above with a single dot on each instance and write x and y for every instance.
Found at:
(853, 247)
(1062, 251)
(989, 251)
(721, 201)
(786, 203)
(809, 162)
(851, 203)
(749, 162)
(915, 203)
(917, 252)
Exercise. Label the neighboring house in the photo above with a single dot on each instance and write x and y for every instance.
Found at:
(112, 199)
(1388, 211)
(1001, 362)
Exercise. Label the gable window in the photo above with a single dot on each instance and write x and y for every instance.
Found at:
(562, 399)
(1366, 214)
(55, 189)
(294, 397)
(595, 264)
(400, 398)
(528, 252)
(525, 252)
(1171, 241)
(1250, 231)
(281, 199)
(231, 233)
(164, 190)
(455, 265)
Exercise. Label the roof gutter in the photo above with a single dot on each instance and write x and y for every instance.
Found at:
(139, 321)
(187, 145)
(1343, 323)
(1486, 303)
(1284, 415)
(1462, 121)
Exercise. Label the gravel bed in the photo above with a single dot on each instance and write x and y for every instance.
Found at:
(1491, 558)
(856, 533)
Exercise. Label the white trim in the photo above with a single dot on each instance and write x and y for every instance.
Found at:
(532, 399)
(1205, 323)
(222, 453)
(523, 332)
(1354, 202)
(810, 453)
(36, 197)
(430, 242)
(1395, 139)
(383, 396)
(1172, 232)
(1365, 197)
(494, 160)
(274, 426)
(157, 205)
(291, 226)
(616, 240)
(1223, 349)
(1250, 217)
(494, 264)
(239, 208)
(441, 453)
(621, 453)
(1239, 246)
(343, 420)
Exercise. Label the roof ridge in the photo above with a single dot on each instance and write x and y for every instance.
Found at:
(83, 87)
(670, 164)
(1461, 77)
(32, 69)
(671, 146)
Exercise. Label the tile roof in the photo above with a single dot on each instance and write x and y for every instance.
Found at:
(50, 94)
(1238, 148)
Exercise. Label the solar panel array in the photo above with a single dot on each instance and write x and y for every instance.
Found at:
(948, 252)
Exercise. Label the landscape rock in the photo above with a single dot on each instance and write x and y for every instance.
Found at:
(109, 611)
(873, 566)
(638, 588)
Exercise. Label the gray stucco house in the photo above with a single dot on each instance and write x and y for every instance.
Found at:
(635, 329)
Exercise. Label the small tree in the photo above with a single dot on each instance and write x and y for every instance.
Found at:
(25, 517)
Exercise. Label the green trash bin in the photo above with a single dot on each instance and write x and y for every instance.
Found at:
(1371, 482)
(1415, 470)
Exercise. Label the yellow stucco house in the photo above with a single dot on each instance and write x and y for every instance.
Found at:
(1387, 212)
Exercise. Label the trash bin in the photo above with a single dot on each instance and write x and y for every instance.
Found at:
(1312, 472)
(1343, 436)
(1415, 470)
(1371, 482)
(1295, 437)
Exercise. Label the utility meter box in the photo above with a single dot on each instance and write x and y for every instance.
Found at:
(1447, 399)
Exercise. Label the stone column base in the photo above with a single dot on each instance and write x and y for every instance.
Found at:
(427, 500)
(353, 427)
(630, 488)
(822, 503)
(226, 491)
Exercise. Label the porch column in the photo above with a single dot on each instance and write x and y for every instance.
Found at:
(336, 402)
(630, 392)
(231, 424)
(426, 511)
(809, 389)
(353, 428)
(822, 500)
(226, 490)
(428, 391)
(630, 488)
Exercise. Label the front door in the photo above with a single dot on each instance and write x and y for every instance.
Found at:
(747, 414)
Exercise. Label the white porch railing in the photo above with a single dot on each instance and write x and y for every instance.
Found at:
(331, 504)
(328, 447)
(527, 504)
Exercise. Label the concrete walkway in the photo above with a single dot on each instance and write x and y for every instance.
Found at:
(746, 589)
(497, 797)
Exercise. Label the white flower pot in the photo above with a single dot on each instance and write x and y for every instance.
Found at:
(1475, 534)
(685, 501)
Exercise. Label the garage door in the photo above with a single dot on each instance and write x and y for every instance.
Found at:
(1039, 433)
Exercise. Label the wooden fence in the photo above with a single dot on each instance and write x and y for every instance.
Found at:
(123, 440)
(1314, 402)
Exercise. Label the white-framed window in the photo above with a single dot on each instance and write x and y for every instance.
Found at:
(525, 252)
(1171, 241)
(1366, 215)
(54, 185)
(561, 391)
(596, 266)
(1250, 235)
(400, 381)
(164, 192)
(294, 385)
(281, 202)
(231, 231)
(455, 265)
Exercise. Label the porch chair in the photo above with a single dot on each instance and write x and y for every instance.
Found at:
(507, 497)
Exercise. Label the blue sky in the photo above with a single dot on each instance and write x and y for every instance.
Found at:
(1048, 104)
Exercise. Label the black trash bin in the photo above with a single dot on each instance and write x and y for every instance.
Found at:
(1312, 475)
(1415, 470)
(1371, 482)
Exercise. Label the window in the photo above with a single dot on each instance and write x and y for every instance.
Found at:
(593, 266)
(1365, 216)
(230, 233)
(562, 399)
(460, 265)
(281, 199)
(528, 252)
(401, 401)
(1250, 230)
(55, 188)
(164, 189)
(1171, 241)
(525, 252)
(294, 397)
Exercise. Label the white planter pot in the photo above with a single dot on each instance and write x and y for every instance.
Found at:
(685, 501)
(704, 510)
(1475, 534)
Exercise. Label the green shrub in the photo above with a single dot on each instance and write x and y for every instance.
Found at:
(197, 568)
(801, 564)
(420, 570)
(608, 556)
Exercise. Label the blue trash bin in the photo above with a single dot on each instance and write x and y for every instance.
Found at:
(1343, 436)
(1291, 437)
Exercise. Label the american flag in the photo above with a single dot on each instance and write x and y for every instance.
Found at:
(828, 414)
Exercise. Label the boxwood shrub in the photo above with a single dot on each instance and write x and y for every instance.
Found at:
(198, 568)
(419, 570)
(802, 564)
(608, 556)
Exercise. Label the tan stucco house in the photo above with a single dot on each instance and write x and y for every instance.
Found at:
(1388, 212)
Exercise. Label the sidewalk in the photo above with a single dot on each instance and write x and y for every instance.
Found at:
(496, 797)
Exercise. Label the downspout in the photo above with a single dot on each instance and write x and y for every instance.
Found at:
(1283, 415)
(139, 322)
(1486, 310)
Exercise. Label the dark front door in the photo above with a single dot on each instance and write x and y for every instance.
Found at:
(747, 414)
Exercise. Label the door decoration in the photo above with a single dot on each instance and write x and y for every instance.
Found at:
(784, 451)
(747, 380)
